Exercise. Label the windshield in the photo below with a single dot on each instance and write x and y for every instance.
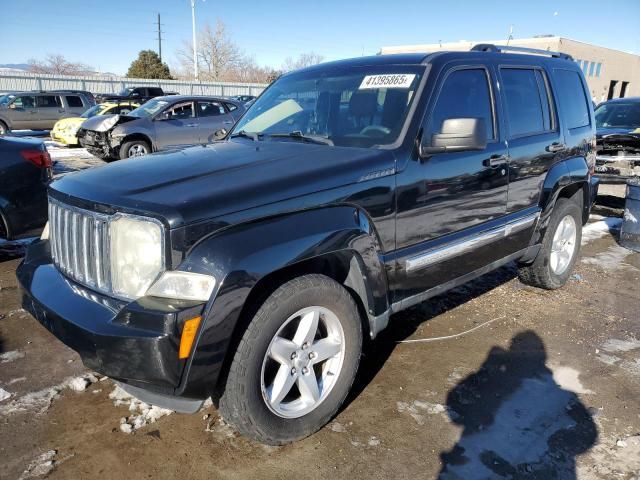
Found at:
(357, 107)
(149, 109)
(93, 111)
(126, 91)
(618, 115)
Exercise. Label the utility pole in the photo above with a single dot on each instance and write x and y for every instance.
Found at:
(159, 39)
(195, 48)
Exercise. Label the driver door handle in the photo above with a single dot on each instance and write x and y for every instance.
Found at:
(556, 147)
(495, 161)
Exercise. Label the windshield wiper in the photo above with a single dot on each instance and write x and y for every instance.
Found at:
(310, 138)
(242, 133)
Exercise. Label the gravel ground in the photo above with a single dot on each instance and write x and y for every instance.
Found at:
(548, 388)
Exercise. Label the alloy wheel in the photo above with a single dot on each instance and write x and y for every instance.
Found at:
(303, 362)
(137, 150)
(563, 246)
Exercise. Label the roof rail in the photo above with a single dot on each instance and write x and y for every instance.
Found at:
(490, 47)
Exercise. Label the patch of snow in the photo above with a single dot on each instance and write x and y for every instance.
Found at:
(630, 217)
(40, 466)
(40, 401)
(618, 345)
(4, 394)
(568, 379)
(142, 413)
(11, 356)
(595, 230)
(374, 442)
(219, 427)
(338, 427)
(16, 380)
(611, 259)
(608, 359)
(418, 407)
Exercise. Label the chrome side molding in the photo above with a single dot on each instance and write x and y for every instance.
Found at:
(460, 247)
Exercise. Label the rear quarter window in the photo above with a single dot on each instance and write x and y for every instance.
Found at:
(572, 98)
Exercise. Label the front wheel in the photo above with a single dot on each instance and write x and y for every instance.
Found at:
(134, 148)
(295, 363)
(560, 247)
(3, 128)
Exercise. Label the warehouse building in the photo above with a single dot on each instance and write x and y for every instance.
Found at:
(609, 73)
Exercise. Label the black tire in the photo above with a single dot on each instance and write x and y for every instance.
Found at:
(3, 128)
(126, 146)
(242, 403)
(539, 273)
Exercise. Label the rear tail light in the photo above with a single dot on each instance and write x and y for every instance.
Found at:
(40, 158)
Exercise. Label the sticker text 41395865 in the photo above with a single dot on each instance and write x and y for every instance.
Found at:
(395, 80)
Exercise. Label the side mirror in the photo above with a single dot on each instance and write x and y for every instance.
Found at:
(13, 106)
(220, 134)
(164, 116)
(457, 135)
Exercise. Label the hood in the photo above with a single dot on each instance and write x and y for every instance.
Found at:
(103, 123)
(207, 181)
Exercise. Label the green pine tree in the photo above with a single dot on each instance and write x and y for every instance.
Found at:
(148, 65)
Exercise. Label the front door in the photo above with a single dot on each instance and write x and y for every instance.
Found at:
(176, 127)
(23, 113)
(450, 205)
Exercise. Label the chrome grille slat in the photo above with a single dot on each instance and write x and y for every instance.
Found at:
(79, 244)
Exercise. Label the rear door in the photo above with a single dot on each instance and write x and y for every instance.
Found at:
(23, 113)
(74, 106)
(177, 126)
(50, 110)
(212, 116)
(535, 140)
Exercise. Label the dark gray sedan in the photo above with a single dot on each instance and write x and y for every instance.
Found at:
(160, 124)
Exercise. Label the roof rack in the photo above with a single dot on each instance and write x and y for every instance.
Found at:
(490, 47)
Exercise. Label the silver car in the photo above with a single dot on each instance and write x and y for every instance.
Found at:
(39, 110)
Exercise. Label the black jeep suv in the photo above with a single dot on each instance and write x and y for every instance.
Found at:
(253, 267)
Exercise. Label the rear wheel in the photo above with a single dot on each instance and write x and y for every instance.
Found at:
(134, 148)
(295, 363)
(560, 247)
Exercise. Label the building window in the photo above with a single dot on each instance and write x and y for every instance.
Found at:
(592, 67)
(585, 66)
(598, 67)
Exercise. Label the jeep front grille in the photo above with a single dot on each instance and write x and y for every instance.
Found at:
(80, 244)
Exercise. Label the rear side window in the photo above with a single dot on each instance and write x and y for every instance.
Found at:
(74, 101)
(231, 106)
(464, 94)
(210, 109)
(528, 106)
(572, 98)
(48, 101)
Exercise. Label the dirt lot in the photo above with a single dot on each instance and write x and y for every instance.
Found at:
(547, 389)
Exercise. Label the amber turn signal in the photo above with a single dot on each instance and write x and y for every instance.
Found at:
(188, 335)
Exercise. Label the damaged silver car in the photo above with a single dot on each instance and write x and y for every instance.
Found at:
(618, 139)
(160, 124)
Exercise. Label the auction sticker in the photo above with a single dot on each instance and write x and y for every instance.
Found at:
(395, 80)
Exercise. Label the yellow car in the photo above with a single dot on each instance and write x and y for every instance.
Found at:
(65, 130)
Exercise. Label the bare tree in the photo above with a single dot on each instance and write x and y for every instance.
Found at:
(303, 60)
(57, 64)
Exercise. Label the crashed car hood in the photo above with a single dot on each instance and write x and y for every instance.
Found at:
(204, 182)
(104, 123)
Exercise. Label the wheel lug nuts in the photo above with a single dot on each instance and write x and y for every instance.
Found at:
(305, 345)
(305, 370)
(312, 355)
(293, 355)
(293, 371)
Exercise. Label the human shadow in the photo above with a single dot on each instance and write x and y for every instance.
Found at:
(518, 423)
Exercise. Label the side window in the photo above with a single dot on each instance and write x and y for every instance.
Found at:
(74, 101)
(464, 94)
(155, 92)
(25, 102)
(573, 98)
(210, 109)
(181, 110)
(48, 101)
(231, 107)
(122, 110)
(528, 107)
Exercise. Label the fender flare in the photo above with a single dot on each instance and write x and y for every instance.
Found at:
(240, 256)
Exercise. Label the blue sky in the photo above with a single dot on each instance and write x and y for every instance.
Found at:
(109, 34)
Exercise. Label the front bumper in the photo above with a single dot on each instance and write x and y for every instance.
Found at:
(136, 343)
(60, 137)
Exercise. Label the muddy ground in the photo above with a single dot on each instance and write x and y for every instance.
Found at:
(547, 389)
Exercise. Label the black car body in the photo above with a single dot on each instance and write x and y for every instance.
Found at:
(394, 194)
(25, 171)
(618, 139)
(160, 124)
(137, 94)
